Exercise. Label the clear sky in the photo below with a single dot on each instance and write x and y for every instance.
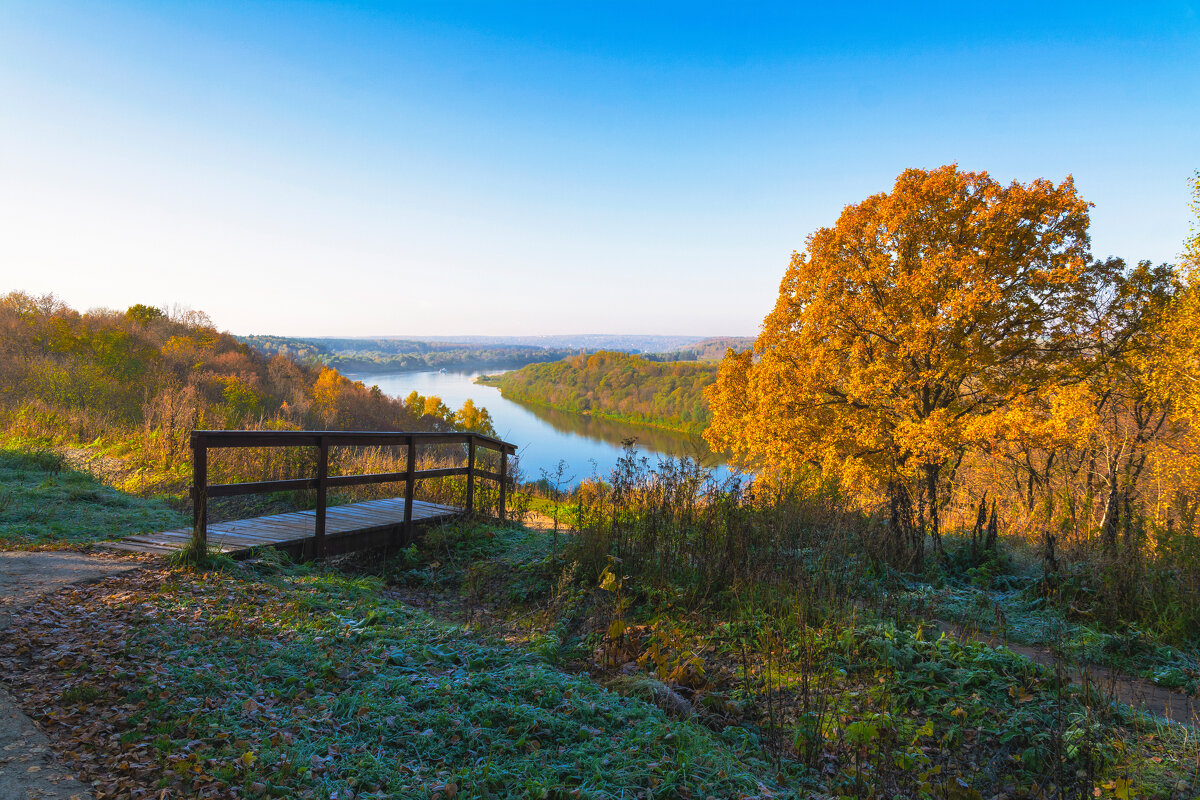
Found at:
(563, 167)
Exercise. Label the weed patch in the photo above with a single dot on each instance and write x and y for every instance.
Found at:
(43, 503)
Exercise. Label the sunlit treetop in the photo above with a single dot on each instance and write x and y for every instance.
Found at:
(921, 315)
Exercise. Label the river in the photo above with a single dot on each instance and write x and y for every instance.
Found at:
(588, 445)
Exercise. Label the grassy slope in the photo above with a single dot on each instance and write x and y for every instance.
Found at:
(300, 681)
(43, 503)
(304, 681)
(1021, 616)
(310, 683)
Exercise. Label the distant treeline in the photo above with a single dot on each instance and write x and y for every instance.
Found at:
(144, 378)
(713, 349)
(619, 386)
(579, 342)
(389, 355)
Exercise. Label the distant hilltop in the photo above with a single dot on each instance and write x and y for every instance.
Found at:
(407, 353)
(712, 349)
(625, 343)
(691, 348)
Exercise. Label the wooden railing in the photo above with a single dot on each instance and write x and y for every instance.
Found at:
(202, 491)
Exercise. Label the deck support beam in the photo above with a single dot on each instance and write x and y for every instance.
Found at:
(409, 486)
(470, 476)
(322, 496)
(199, 496)
(503, 481)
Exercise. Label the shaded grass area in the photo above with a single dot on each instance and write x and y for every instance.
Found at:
(533, 677)
(45, 503)
(266, 679)
(1005, 597)
(311, 683)
(849, 702)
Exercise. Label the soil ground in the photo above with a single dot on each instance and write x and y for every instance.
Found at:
(28, 770)
(1143, 695)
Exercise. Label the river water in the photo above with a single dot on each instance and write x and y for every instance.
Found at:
(588, 445)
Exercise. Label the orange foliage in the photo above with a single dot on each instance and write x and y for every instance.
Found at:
(156, 375)
(950, 321)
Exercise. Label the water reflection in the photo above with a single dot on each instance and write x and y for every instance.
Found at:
(646, 437)
(544, 436)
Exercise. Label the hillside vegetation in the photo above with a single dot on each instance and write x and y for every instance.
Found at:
(391, 355)
(685, 640)
(133, 384)
(713, 349)
(619, 386)
(45, 503)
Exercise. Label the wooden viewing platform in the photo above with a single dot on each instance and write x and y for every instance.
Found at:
(325, 530)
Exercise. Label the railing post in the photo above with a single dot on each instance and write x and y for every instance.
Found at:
(503, 480)
(408, 491)
(322, 495)
(471, 474)
(199, 495)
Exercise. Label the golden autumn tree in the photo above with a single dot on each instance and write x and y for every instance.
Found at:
(327, 392)
(922, 312)
(474, 418)
(1181, 378)
(1177, 378)
(1085, 443)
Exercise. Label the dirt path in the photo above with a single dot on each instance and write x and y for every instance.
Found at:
(28, 770)
(537, 521)
(1141, 694)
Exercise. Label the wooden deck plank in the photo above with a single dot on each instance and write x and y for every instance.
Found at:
(256, 531)
(290, 529)
(164, 534)
(141, 547)
(179, 544)
(353, 520)
(282, 525)
(274, 522)
(283, 532)
(134, 547)
(372, 508)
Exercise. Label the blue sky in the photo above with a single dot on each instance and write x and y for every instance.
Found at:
(487, 168)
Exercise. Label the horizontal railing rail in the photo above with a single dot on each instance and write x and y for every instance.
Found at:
(204, 440)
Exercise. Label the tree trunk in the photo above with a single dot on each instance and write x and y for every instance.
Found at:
(1112, 519)
(992, 530)
(932, 472)
(977, 530)
(907, 537)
